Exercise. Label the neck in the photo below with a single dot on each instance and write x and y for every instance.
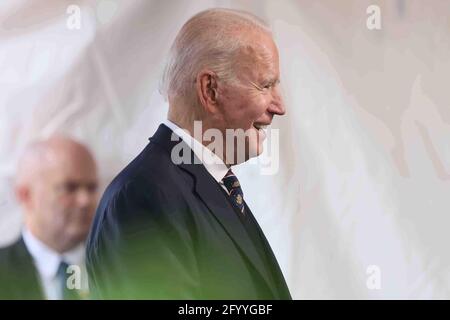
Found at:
(196, 129)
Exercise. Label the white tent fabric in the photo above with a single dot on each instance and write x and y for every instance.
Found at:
(364, 175)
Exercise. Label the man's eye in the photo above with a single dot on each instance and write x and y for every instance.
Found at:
(271, 84)
(266, 87)
(68, 187)
(71, 187)
(92, 187)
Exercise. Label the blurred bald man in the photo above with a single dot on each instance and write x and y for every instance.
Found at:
(56, 186)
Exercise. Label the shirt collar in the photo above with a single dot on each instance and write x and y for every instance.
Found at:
(47, 260)
(213, 164)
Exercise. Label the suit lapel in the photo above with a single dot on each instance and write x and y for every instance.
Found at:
(278, 277)
(27, 282)
(209, 192)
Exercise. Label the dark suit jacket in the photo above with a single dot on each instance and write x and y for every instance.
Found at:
(18, 276)
(169, 231)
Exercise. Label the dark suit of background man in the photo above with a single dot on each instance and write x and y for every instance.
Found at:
(171, 230)
(56, 186)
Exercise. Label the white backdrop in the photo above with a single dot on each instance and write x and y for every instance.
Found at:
(364, 175)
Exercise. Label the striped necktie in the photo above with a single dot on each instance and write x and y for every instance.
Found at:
(234, 190)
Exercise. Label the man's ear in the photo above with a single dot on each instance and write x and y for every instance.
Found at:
(23, 196)
(207, 92)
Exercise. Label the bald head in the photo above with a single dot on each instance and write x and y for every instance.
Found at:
(56, 184)
(213, 40)
(45, 154)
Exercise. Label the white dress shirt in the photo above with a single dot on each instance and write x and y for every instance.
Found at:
(213, 164)
(47, 262)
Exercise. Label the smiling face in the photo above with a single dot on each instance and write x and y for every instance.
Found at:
(252, 101)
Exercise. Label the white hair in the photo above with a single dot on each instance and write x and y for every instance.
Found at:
(210, 39)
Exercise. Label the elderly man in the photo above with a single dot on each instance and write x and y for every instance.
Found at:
(171, 229)
(56, 185)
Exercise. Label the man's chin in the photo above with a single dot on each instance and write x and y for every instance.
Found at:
(76, 237)
(252, 148)
(255, 144)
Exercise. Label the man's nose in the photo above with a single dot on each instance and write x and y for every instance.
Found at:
(277, 104)
(84, 197)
